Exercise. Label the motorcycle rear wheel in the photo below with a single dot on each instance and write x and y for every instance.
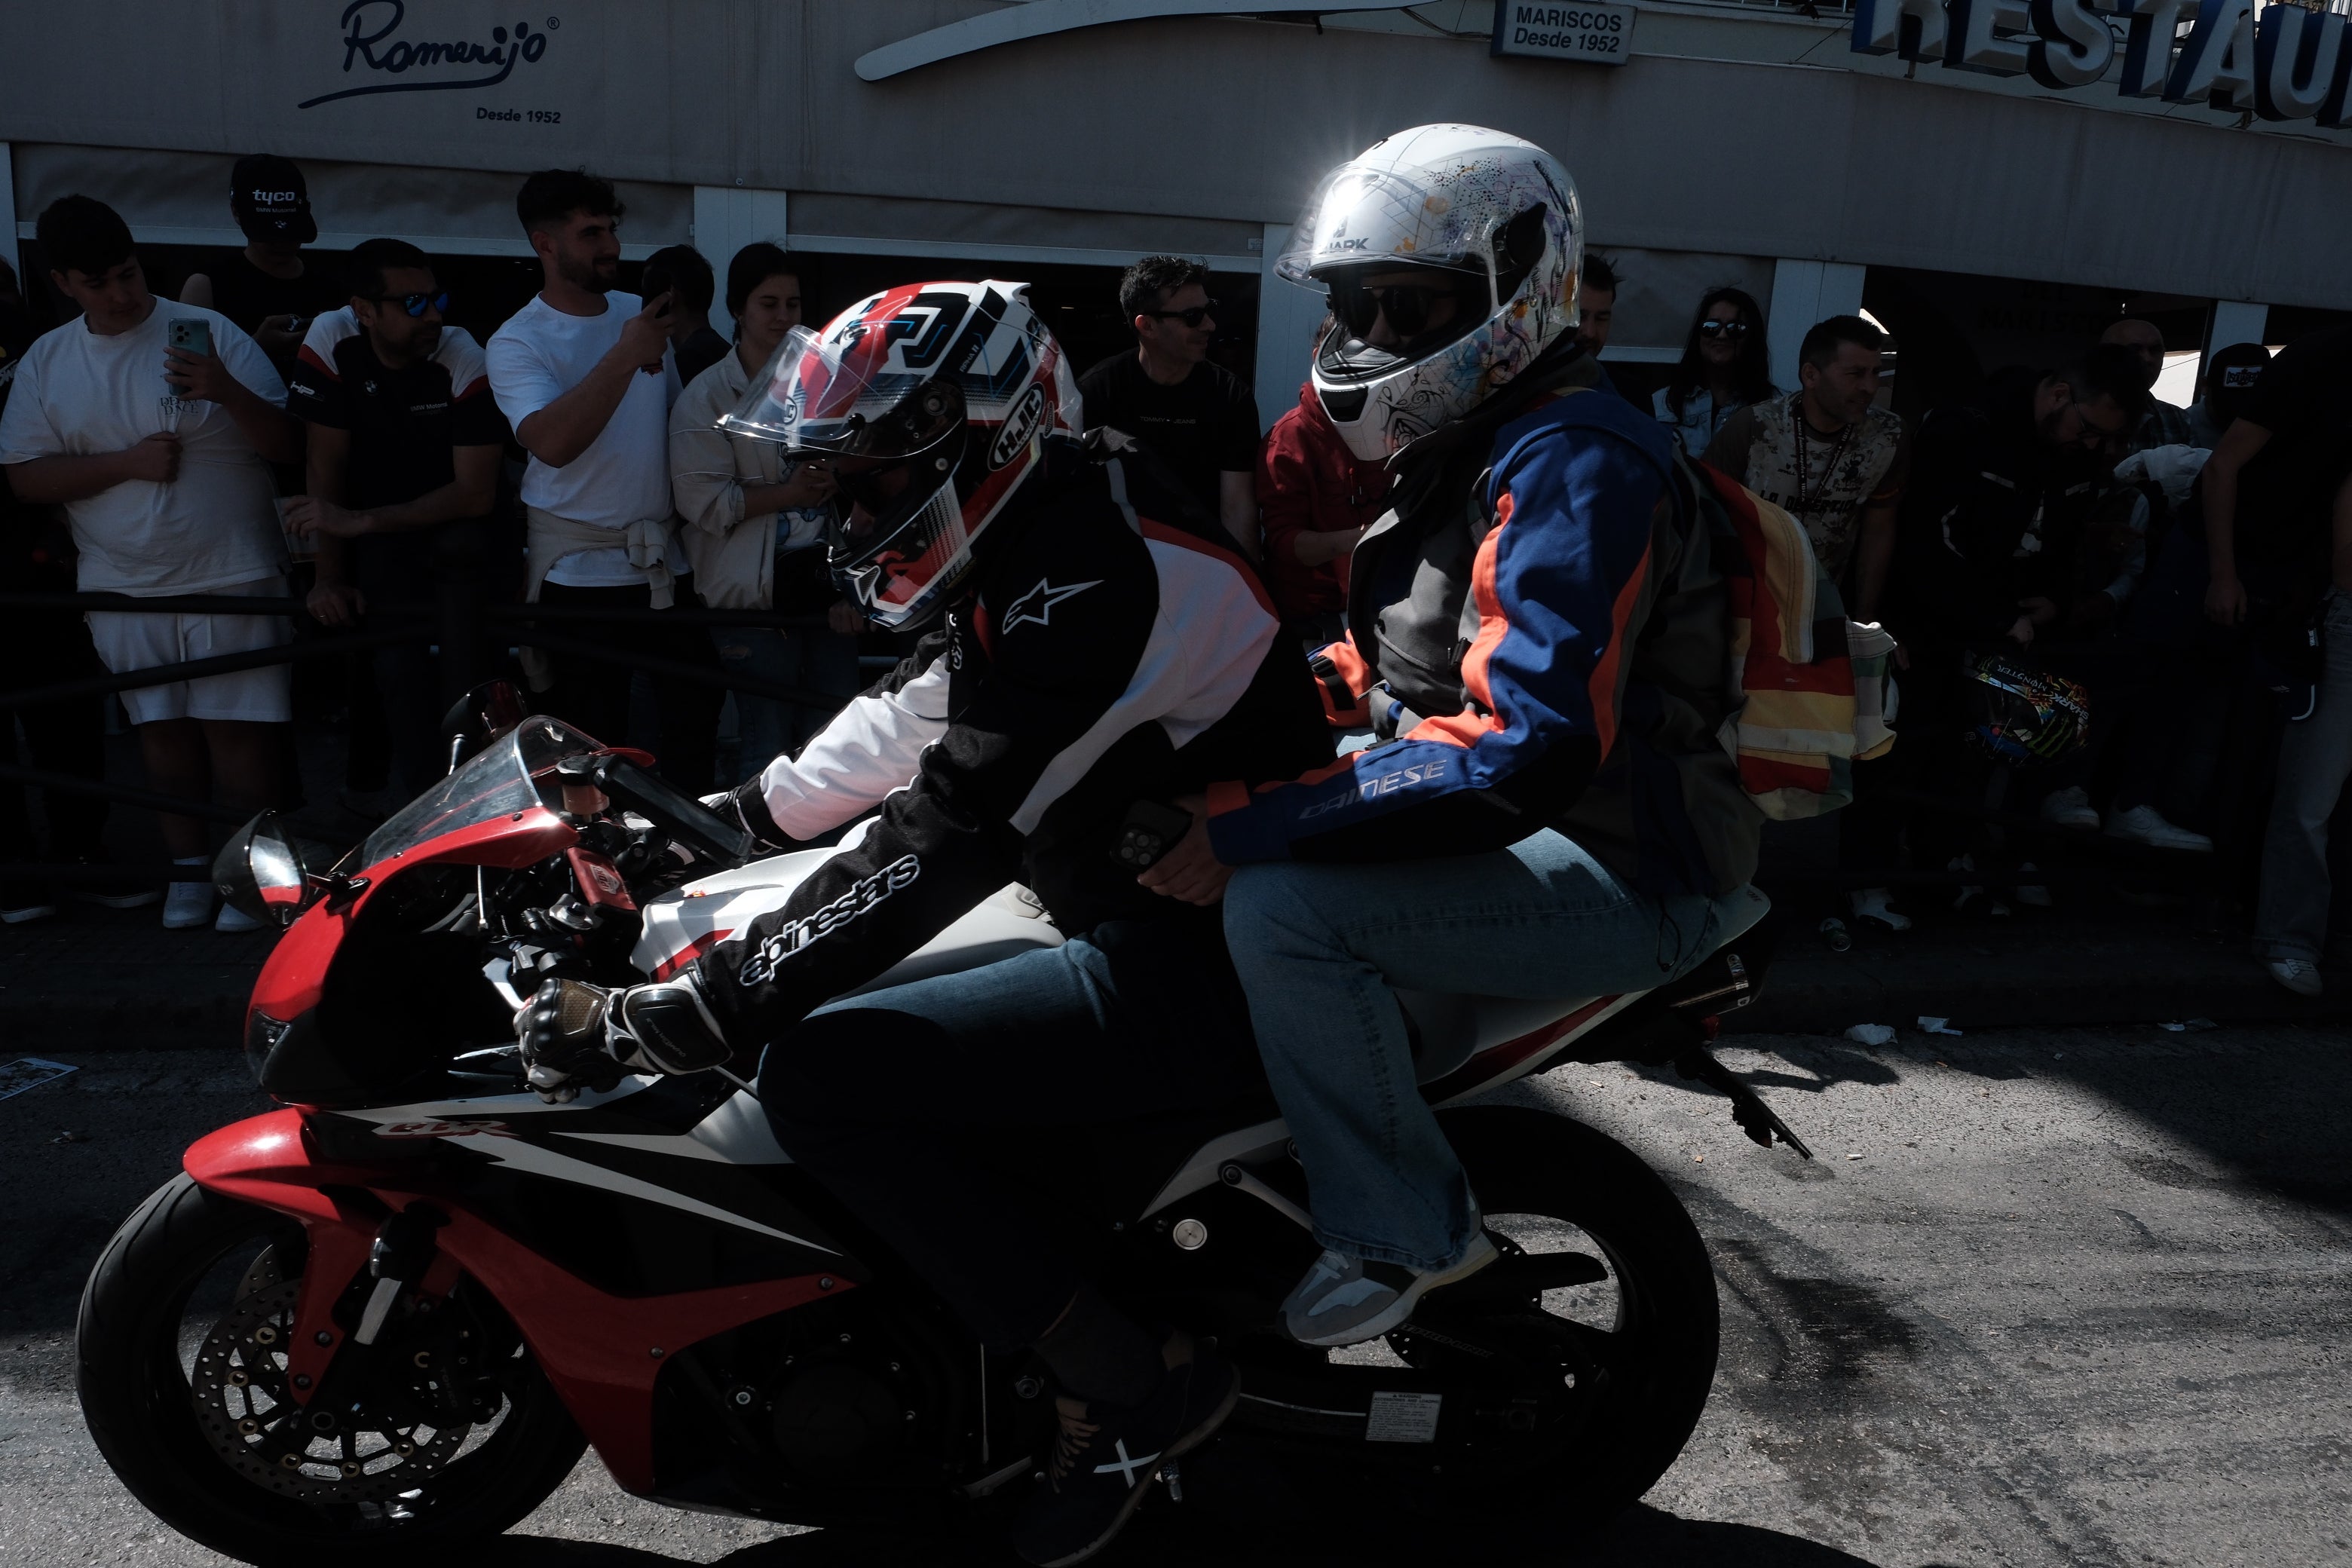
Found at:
(1539, 1179)
(136, 1396)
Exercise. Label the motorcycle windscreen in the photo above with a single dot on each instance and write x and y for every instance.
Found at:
(513, 776)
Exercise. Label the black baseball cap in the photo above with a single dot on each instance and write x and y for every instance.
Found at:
(270, 201)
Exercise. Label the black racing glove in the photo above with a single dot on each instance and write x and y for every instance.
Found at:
(746, 806)
(574, 1035)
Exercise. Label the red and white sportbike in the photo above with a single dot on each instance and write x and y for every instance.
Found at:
(385, 1319)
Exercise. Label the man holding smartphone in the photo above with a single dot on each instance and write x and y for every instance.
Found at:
(153, 426)
(268, 288)
(585, 375)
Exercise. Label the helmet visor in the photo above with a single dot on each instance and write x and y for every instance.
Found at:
(841, 400)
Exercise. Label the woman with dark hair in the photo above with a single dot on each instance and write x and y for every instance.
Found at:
(755, 527)
(1725, 367)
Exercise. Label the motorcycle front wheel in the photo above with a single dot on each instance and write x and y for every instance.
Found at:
(180, 1349)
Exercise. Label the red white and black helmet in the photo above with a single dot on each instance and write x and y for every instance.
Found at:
(934, 401)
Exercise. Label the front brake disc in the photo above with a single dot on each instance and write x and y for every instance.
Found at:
(345, 1454)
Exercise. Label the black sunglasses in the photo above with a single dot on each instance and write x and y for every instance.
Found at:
(416, 304)
(1191, 315)
(1714, 329)
(1408, 306)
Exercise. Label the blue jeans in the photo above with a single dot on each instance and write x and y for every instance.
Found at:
(902, 1101)
(822, 661)
(2314, 761)
(1320, 947)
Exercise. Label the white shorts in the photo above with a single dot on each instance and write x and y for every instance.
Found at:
(129, 641)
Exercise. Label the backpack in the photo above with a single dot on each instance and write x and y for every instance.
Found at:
(1810, 690)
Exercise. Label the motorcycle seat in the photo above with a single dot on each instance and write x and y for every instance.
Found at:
(1448, 1028)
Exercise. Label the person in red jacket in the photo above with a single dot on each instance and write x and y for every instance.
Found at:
(1315, 499)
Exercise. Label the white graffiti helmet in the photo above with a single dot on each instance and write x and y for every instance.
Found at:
(1491, 220)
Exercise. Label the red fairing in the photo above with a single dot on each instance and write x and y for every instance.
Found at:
(296, 968)
(603, 1352)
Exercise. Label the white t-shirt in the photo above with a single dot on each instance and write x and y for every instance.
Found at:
(623, 476)
(77, 393)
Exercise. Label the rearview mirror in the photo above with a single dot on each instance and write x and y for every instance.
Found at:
(260, 872)
(480, 716)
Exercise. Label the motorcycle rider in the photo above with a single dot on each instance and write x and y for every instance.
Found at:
(1537, 638)
(1088, 658)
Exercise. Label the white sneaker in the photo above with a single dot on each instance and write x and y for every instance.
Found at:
(187, 905)
(2033, 894)
(33, 908)
(233, 919)
(2299, 975)
(2146, 825)
(1876, 905)
(2070, 807)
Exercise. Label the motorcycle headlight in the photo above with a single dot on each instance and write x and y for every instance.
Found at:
(262, 1035)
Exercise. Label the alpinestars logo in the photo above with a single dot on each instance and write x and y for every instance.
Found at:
(865, 894)
(1036, 607)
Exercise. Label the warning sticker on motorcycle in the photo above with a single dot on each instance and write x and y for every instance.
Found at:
(1403, 1418)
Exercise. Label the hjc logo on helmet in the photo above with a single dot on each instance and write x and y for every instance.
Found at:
(1019, 426)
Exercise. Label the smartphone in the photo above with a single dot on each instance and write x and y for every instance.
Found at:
(656, 283)
(191, 334)
(1150, 830)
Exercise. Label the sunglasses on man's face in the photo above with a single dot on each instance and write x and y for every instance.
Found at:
(1191, 315)
(1712, 329)
(416, 304)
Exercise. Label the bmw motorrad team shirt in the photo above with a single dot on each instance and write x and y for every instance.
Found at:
(78, 393)
(404, 423)
(1204, 426)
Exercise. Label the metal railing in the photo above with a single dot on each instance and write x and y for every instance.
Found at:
(455, 624)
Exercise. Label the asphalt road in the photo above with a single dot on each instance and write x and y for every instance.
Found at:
(2074, 1296)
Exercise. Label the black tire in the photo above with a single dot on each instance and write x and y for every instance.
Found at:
(1534, 1162)
(1661, 1356)
(136, 1398)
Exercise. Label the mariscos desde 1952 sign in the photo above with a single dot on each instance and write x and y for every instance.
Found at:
(1600, 33)
(2283, 63)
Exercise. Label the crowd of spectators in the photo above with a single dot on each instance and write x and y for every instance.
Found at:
(282, 431)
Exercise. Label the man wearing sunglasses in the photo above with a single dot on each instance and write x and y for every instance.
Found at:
(405, 447)
(1193, 416)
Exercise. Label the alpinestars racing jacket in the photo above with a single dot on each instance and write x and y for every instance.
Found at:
(1106, 658)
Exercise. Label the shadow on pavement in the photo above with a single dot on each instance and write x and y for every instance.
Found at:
(2249, 1098)
(1165, 1537)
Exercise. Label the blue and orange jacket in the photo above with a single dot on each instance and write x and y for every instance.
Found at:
(1552, 654)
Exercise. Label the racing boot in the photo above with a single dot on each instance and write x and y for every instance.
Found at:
(1107, 1456)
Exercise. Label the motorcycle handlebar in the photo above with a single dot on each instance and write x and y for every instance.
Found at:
(677, 813)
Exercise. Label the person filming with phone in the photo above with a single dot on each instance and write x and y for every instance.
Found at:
(153, 426)
(585, 374)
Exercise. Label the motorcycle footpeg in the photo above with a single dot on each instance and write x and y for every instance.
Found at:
(1755, 1118)
(1516, 1277)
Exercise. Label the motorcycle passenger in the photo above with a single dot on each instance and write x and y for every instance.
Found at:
(1537, 638)
(1086, 657)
